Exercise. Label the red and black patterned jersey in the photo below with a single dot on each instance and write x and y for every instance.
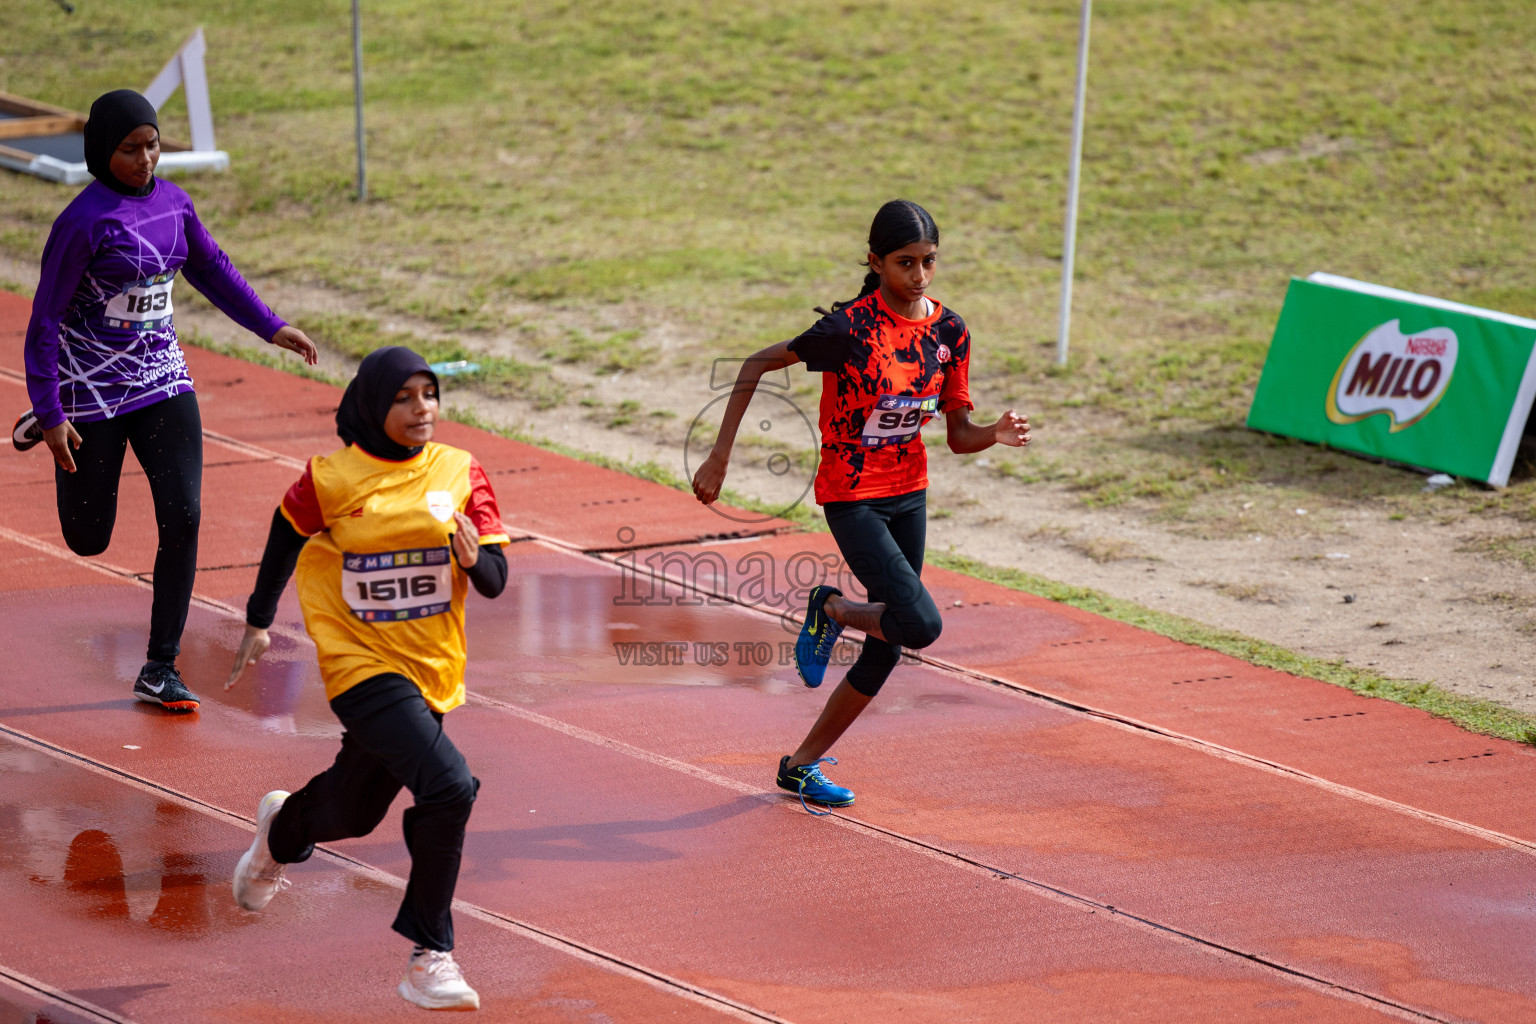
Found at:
(885, 376)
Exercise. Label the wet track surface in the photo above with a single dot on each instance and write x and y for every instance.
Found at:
(1060, 818)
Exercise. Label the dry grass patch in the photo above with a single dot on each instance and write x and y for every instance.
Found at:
(1519, 549)
(1106, 549)
(1258, 593)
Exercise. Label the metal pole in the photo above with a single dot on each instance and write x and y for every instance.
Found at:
(1069, 248)
(357, 92)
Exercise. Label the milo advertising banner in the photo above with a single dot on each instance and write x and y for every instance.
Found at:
(1399, 376)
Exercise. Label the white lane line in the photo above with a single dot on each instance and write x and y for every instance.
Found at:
(950, 857)
(1124, 722)
(545, 937)
(62, 999)
(1131, 725)
(232, 443)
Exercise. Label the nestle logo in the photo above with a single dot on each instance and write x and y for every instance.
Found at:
(1387, 372)
(1426, 346)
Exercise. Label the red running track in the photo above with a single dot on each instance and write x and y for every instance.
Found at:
(1060, 818)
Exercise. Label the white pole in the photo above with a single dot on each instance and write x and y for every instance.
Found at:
(357, 93)
(1069, 247)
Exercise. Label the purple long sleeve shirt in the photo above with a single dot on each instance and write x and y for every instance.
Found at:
(101, 341)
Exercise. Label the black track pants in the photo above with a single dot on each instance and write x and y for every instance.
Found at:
(392, 739)
(167, 439)
(882, 541)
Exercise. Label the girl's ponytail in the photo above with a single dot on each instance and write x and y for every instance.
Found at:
(898, 224)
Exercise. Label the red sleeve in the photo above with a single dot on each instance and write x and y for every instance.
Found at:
(481, 507)
(301, 506)
(956, 393)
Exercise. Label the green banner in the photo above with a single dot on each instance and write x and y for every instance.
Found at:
(1399, 376)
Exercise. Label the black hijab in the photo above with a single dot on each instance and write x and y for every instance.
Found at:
(360, 418)
(113, 118)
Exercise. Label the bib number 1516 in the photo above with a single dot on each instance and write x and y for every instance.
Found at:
(394, 586)
(403, 586)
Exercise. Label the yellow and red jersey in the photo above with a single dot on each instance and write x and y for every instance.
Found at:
(885, 376)
(379, 586)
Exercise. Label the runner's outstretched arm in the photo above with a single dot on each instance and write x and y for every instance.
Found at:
(711, 475)
(967, 438)
(277, 563)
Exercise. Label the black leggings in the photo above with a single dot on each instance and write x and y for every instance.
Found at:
(882, 541)
(167, 439)
(392, 739)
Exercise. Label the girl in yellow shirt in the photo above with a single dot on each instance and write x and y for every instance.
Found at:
(386, 533)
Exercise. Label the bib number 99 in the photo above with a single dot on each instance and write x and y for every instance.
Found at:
(897, 418)
(900, 420)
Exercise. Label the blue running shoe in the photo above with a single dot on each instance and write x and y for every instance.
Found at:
(818, 636)
(812, 787)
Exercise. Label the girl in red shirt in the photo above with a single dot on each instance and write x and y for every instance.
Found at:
(891, 360)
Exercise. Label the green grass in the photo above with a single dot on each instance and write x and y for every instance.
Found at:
(1480, 716)
(714, 167)
(498, 376)
(261, 355)
(615, 352)
(646, 470)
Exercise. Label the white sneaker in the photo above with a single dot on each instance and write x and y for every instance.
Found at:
(258, 877)
(433, 982)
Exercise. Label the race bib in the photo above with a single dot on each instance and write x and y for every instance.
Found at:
(394, 586)
(145, 306)
(897, 418)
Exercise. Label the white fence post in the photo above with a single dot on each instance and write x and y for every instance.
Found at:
(357, 94)
(1069, 247)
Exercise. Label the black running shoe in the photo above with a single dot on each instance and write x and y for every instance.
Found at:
(27, 433)
(160, 683)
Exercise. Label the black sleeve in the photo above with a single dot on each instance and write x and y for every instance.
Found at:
(824, 348)
(489, 573)
(283, 546)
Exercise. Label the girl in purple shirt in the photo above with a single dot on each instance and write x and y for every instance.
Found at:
(104, 370)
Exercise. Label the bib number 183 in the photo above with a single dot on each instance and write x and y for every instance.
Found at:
(143, 306)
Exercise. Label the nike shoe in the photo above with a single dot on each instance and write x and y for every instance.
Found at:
(812, 787)
(813, 648)
(258, 877)
(160, 683)
(434, 982)
(27, 433)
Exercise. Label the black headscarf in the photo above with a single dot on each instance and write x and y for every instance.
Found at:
(360, 418)
(113, 118)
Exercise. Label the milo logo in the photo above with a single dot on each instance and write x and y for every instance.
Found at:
(1401, 376)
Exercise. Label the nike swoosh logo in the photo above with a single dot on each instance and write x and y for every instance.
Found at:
(154, 689)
